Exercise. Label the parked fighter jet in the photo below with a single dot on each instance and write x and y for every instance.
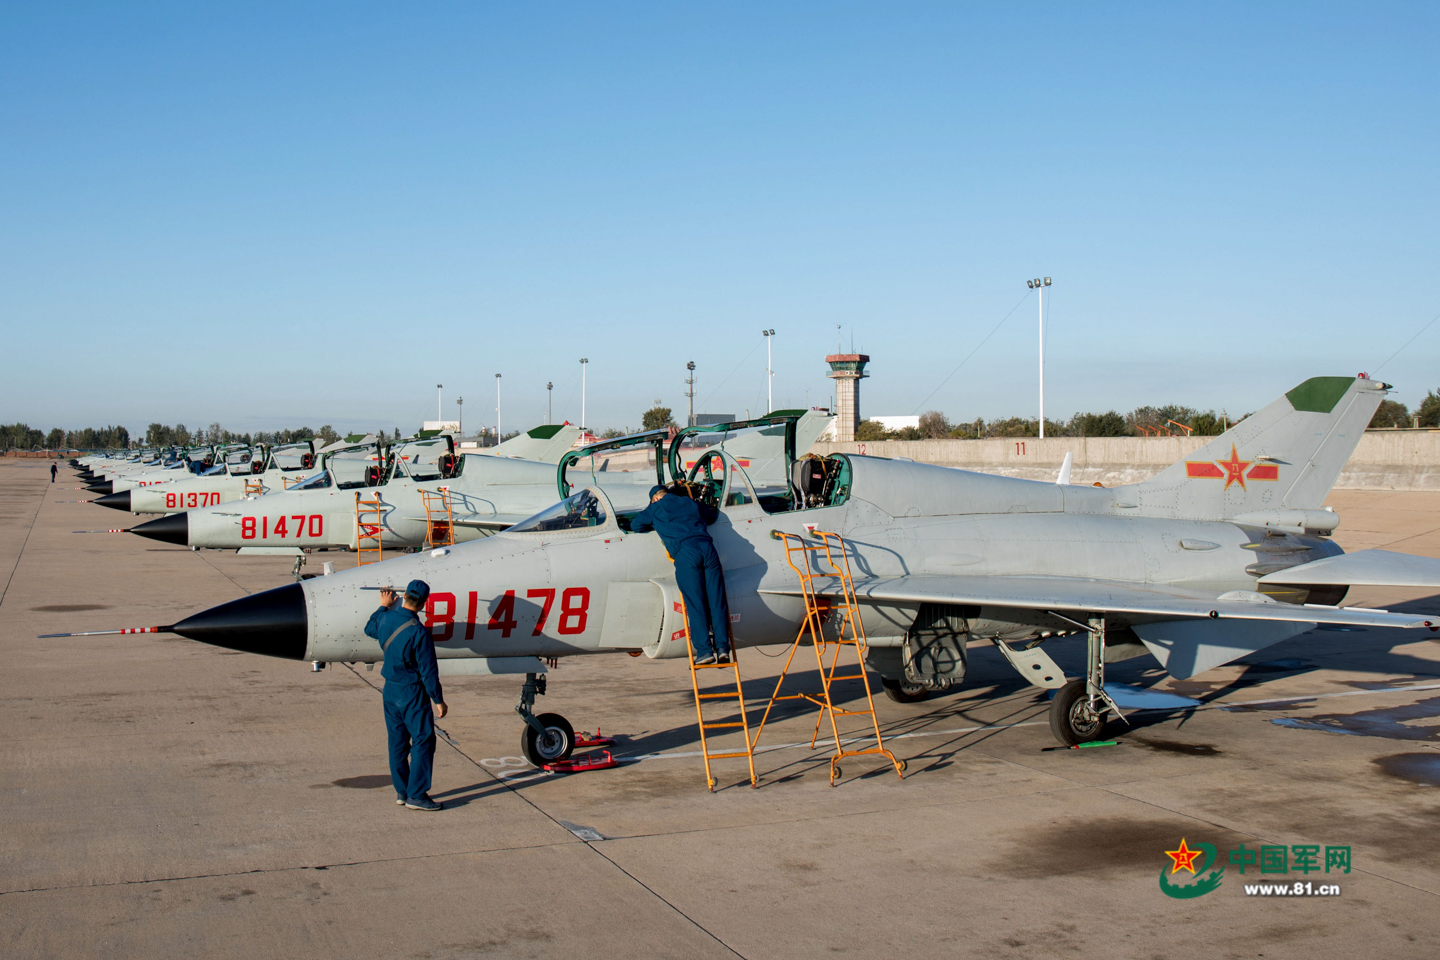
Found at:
(244, 473)
(1215, 557)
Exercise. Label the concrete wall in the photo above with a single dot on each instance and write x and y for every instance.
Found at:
(1384, 459)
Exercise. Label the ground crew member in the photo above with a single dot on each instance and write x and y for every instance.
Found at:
(681, 523)
(412, 685)
(53, 470)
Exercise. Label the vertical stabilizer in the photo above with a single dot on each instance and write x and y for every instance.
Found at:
(1278, 464)
(545, 444)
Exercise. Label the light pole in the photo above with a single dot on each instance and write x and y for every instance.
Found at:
(584, 362)
(549, 405)
(690, 382)
(460, 416)
(439, 401)
(769, 373)
(498, 433)
(1039, 286)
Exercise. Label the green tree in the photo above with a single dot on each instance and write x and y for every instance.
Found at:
(1391, 413)
(1108, 424)
(55, 439)
(328, 434)
(870, 430)
(1430, 410)
(656, 418)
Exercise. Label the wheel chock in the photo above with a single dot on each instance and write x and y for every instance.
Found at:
(585, 740)
(583, 764)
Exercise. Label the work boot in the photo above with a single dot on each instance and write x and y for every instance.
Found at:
(705, 660)
(723, 657)
(423, 803)
(399, 800)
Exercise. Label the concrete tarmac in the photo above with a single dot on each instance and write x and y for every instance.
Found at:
(161, 798)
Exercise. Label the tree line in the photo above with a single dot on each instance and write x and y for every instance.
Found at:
(20, 436)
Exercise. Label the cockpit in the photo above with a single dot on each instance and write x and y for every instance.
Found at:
(729, 466)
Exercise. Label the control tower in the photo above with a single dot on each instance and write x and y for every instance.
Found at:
(847, 370)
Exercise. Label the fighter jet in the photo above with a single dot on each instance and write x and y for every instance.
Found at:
(358, 502)
(247, 472)
(1217, 556)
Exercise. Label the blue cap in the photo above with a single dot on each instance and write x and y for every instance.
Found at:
(654, 490)
(418, 591)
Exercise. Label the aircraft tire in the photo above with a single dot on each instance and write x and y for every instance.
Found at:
(902, 692)
(557, 744)
(1070, 719)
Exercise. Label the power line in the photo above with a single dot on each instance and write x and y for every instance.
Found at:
(1408, 342)
(973, 352)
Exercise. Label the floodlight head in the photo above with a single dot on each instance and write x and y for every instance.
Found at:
(690, 365)
(772, 332)
(497, 376)
(1047, 281)
(1030, 284)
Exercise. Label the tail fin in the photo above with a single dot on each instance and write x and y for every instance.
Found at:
(545, 444)
(1274, 468)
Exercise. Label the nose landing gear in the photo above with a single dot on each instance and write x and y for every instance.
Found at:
(547, 738)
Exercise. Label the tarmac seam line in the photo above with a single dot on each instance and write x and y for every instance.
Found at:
(262, 871)
(588, 843)
(26, 542)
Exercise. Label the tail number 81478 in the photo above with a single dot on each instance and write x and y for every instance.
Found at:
(571, 618)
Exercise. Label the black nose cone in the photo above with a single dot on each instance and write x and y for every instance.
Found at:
(103, 487)
(272, 623)
(172, 529)
(120, 501)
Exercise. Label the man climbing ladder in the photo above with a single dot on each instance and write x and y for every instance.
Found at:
(682, 525)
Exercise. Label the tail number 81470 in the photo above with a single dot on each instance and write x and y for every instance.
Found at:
(294, 527)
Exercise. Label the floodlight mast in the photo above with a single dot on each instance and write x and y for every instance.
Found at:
(690, 393)
(498, 433)
(460, 416)
(439, 401)
(549, 404)
(584, 362)
(769, 371)
(1039, 285)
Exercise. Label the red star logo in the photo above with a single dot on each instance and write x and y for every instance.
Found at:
(1234, 468)
(1184, 857)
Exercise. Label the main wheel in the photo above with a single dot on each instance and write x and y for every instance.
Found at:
(1071, 719)
(903, 691)
(556, 744)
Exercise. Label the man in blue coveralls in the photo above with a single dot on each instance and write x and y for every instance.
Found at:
(681, 523)
(412, 685)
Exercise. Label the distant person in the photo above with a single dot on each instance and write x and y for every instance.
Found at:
(681, 523)
(53, 470)
(412, 688)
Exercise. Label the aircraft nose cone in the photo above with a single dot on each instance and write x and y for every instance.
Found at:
(172, 529)
(120, 501)
(273, 623)
(103, 487)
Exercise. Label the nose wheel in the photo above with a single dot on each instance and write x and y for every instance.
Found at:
(548, 738)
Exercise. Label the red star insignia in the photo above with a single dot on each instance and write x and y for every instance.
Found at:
(1234, 468)
(1184, 857)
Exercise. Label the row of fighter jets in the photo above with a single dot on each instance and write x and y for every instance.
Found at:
(1214, 558)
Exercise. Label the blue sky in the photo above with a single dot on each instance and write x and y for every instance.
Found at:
(302, 214)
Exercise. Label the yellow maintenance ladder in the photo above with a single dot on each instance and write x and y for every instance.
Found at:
(439, 518)
(363, 509)
(829, 559)
(254, 488)
(718, 693)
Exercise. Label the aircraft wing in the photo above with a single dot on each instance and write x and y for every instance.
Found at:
(1383, 568)
(1101, 596)
(496, 521)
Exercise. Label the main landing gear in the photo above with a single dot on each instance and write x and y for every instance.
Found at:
(548, 738)
(1077, 714)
